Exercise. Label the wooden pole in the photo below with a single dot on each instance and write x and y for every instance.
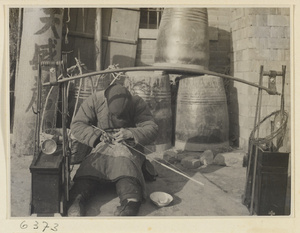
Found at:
(170, 70)
(41, 38)
(98, 39)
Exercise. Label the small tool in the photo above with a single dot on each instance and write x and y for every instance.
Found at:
(105, 134)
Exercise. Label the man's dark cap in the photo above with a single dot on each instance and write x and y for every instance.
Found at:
(118, 99)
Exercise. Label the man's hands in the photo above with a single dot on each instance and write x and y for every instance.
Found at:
(105, 138)
(122, 135)
(117, 135)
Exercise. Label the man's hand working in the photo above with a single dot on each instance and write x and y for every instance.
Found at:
(122, 135)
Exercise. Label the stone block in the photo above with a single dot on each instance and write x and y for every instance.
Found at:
(219, 160)
(146, 56)
(280, 55)
(243, 142)
(285, 11)
(261, 11)
(246, 131)
(171, 156)
(260, 43)
(144, 62)
(287, 32)
(239, 55)
(212, 18)
(191, 154)
(225, 35)
(147, 44)
(190, 162)
(278, 20)
(213, 33)
(236, 35)
(175, 156)
(225, 27)
(243, 120)
(224, 45)
(207, 157)
(244, 110)
(250, 20)
(277, 32)
(259, 31)
(230, 159)
(241, 44)
(234, 25)
(223, 19)
(244, 66)
(261, 20)
(237, 13)
(252, 76)
(242, 22)
(278, 43)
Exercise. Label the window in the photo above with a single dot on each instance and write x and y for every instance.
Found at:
(150, 18)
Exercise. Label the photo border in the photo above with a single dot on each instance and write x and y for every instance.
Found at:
(150, 224)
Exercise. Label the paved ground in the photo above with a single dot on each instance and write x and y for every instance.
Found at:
(219, 196)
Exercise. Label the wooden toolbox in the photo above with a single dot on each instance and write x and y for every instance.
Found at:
(47, 184)
(271, 183)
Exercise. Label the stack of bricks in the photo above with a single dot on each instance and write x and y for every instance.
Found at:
(260, 36)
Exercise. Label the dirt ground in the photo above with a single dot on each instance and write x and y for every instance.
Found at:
(219, 196)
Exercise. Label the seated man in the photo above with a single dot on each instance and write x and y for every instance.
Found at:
(113, 159)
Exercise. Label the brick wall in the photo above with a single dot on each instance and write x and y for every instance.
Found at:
(260, 36)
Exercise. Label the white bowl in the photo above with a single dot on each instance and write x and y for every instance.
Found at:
(161, 198)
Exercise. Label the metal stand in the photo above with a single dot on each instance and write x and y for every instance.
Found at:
(254, 143)
(51, 173)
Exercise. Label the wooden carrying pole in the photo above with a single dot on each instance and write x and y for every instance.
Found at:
(171, 70)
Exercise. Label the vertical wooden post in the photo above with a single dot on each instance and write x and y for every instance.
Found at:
(41, 38)
(98, 39)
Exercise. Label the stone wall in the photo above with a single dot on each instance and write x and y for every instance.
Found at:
(260, 37)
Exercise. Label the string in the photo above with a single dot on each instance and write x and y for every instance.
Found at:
(67, 28)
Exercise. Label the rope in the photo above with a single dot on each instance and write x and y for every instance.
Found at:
(269, 138)
(67, 28)
(80, 86)
(115, 78)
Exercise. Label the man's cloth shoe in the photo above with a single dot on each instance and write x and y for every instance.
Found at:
(77, 208)
(128, 208)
